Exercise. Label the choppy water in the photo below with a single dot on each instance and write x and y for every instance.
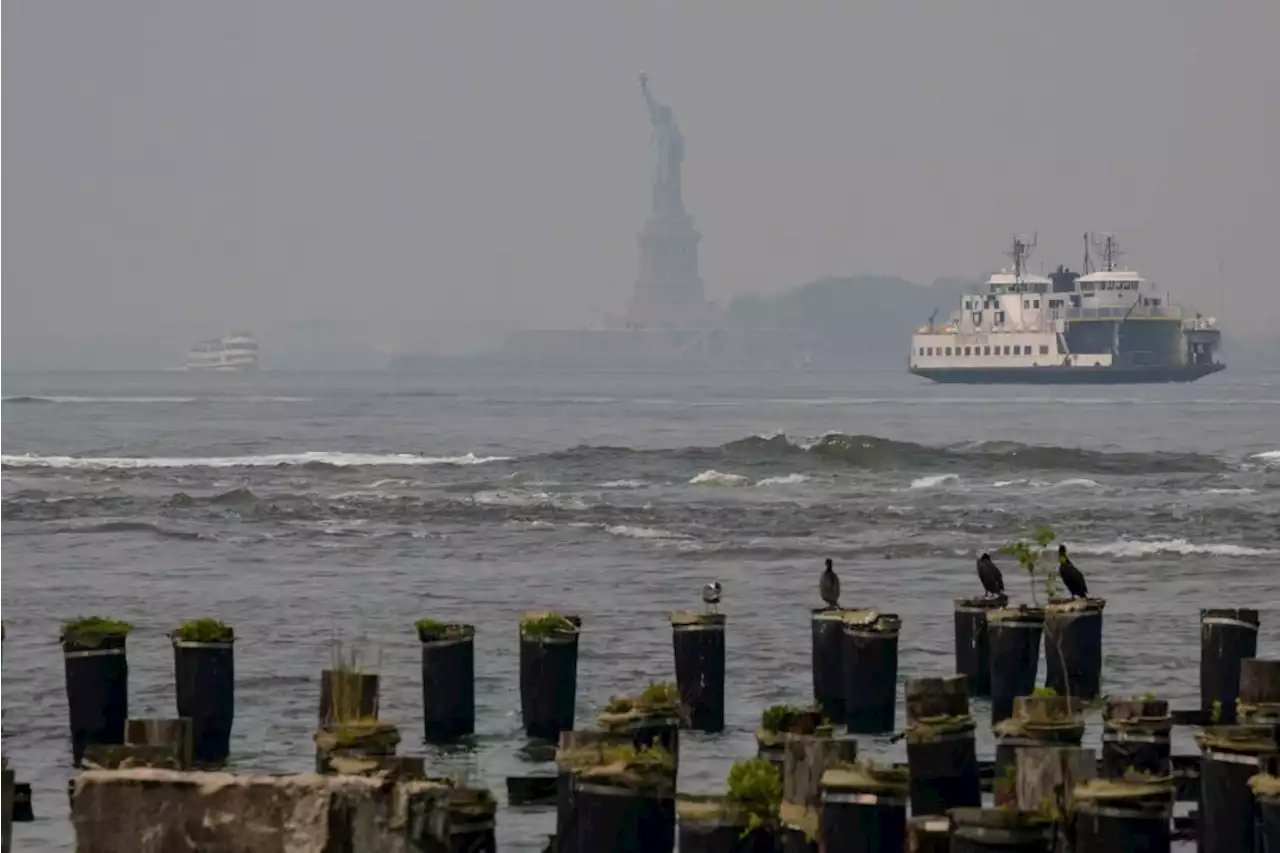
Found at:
(297, 507)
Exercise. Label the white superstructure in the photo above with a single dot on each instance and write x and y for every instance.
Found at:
(237, 351)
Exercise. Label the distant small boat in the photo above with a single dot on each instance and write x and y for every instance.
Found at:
(237, 352)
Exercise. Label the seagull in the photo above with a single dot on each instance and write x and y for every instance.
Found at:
(829, 587)
(711, 596)
(1071, 576)
(989, 574)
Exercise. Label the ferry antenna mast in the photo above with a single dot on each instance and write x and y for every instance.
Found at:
(1021, 253)
(1110, 250)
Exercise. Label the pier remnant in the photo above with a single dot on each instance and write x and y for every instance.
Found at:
(363, 740)
(575, 750)
(1073, 647)
(548, 673)
(1037, 721)
(828, 668)
(941, 754)
(1266, 791)
(652, 717)
(778, 721)
(999, 830)
(1259, 702)
(1229, 757)
(1014, 635)
(97, 672)
(175, 734)
(623, 799)
(929, 834)
(870, 663)
(864, 809)
(1123, 816)
(204, 678)
(159, 811)
(745, 820)
(698, 641)
(806, 757)
(1227, 636)
(1135, 736)
(973, 646)
(448, 680)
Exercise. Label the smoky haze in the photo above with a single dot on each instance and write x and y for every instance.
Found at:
(408, 176)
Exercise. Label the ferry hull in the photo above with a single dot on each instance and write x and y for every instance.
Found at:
(1060, 375)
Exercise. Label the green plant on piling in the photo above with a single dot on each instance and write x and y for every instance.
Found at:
(347, 682)
(546, 624)
(1044, 691)
(1029, 554)
(1215, 712)
(779, 718)
(204, 631)
(755, 785)
(92, 630)
(429, 626)
(660, 693)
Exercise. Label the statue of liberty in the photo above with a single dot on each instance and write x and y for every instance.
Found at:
(666, 148)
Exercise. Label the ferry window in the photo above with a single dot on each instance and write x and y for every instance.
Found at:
(999, 316)
(930, 352)
(1006, 349)
(1017, 350)
(968, 350)
(986, 350)
(948, 350)
(1044, 349)
(1026, 303)
(1036, 304)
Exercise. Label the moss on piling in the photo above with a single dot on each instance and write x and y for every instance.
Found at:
(432, 629)
(204, 631)
(546, 624)
(659, 699)
(91, 631)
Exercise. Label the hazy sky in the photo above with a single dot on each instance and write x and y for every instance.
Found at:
(432, 174)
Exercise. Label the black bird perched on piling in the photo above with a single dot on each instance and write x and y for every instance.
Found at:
(711, 596)
(1071, 576)
(989, 574)
(829, 587)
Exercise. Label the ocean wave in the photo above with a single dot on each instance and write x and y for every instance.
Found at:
(1151, 547)
(1268, 456)
(624, 484)
(84, 400)
(718, 478)
(932, 480)
(631, 531)
(784, 480)
(316, 457)
(508, 498)
(134, 527)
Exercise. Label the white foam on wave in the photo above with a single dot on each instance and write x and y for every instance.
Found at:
(785, 480)
(270, 460)
(504, 497)
(1268, 456)
(1083, 482)
(1147, 548)
(1235, 491)
(932, 480)
(718, 478)
(634, 532)
(624, 484)
(1003, 484)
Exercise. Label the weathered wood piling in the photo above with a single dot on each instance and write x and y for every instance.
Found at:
(354, 748)
(448, 680)
(174, 734)
(978, 830)
(744, 820)
(929, 833)
(941, 754)
(1266, 792)
(347, 694)
(623, 800)
(1259, 701)
(204, 678)
(779, 721)
(1227, 636)
(651, 718)
(1073, 647)
(827, 656)
(870, 663)
(698, 642)
(548, 673)
(97, 673)
(1230, 757)
(1014, 636)
(1135, 736)
(1037, 721)
(864, 809)
(1123, 816)
(973, 648)
(806, 757)
(576, 749)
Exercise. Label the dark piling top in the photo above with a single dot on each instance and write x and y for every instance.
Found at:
(1251, 740)
(549, 627)
(867, 777)
(1152, 790)
(203, 631)
(1064, 607)
(1021, 613)
(659, 700)
(431, 631)
(682, 619)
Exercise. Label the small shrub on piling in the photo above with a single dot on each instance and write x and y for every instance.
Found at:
(791, 719)
(756, 786)
(659, 693)
(1044, 691)
(1029, 554)
(92, 630)
(546, 624)
(204, 631)
(429, 626)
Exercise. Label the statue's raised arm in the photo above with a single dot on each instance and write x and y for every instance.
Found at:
(654, 106)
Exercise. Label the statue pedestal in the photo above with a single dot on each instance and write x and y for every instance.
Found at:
(669, 292)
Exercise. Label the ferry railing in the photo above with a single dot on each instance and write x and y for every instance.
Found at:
(1147, 312)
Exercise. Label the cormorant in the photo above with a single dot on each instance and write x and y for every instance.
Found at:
(829, 587)
(711, 596)
(1071, 575)
(989, 574)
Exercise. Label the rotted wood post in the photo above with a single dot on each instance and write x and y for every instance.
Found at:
(1227, 636)
(171, 733)
(1073, 647)
(355, 748)
(973, 648)
(472, 820)
(698, 641)
(577, 750)
(1135, 736)
(448, 680)
(617, 802)
(1229, 757)
(778, 722)
(828, 655)
(1266, 792)
(1037, 721)
(1259, 702)
(799, 828)
(1000, 831)
(941, 753)
(715, 824)
(1014, 635)
(929, 834)
(97, 672)
(548, 673)
(870, 661)
(864, 809)
(1048, 776)
(806, 758)
(1118, 816)
(650, 719)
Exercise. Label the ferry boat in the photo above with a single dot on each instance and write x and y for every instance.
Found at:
(1108, 326)
(237, 351)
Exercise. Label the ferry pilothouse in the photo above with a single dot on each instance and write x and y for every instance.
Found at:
(1107, 326)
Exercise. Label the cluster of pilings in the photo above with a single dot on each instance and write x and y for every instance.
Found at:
(618, 780)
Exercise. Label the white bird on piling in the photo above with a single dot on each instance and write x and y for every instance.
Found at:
(711, 596)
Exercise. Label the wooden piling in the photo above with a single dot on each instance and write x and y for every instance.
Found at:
(698, 643)
(156, 732)
(1073, 647)
(1014, 635)
(1259, 702)
(1037, 721)
(998, 830)
(1227, 636)
(827, 656)
(941, 753)
(1230, 757)
(548, 673)
(204, 678)
(973, 647)
(1266, 792)
(448, 681)
(97, 674)
(870, 661)
(1123, 816)
(806, 758)
(864, 809)
(1135, 736)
